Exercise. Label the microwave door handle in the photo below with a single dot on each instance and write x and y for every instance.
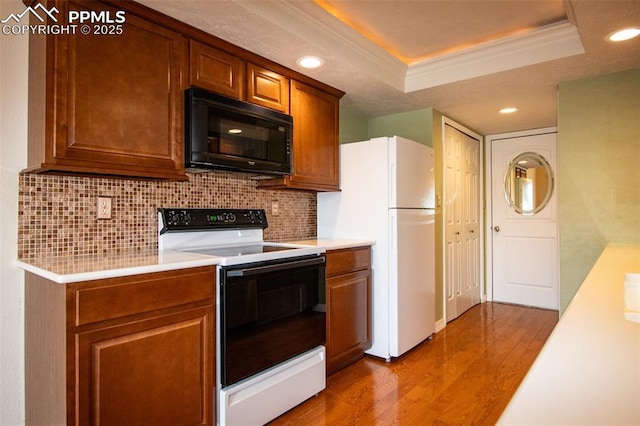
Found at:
(244, 272)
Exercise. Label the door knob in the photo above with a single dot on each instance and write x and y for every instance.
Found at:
(496, 228)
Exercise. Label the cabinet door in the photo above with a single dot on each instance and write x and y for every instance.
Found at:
(315, 141)
(348, 318)
(267, 88)
(215, 70)
(315, 138)
(115, 101)
(152, 372)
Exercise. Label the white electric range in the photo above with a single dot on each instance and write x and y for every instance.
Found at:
(270, 310)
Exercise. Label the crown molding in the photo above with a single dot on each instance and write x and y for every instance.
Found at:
(322, 30)
(546, 44)
(325, 32)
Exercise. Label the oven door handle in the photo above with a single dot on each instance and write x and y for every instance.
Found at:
(244, 272)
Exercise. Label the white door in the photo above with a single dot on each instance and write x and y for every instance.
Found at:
(524, 220)
(461, 212)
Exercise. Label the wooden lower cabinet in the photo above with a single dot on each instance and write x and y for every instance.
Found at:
(348, 306)
(139, 350)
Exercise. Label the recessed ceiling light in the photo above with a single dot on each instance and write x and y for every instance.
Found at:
(625, 34)
(508, 110)
(235, 131)
(310, 62)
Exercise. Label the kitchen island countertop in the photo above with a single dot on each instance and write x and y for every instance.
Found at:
(588, 371)
(71, 269)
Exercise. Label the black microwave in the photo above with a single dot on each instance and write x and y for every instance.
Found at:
(229, 134)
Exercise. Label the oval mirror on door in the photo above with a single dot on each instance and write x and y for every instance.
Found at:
(528, 183)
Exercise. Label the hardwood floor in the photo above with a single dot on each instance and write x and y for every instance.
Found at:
(465, 375)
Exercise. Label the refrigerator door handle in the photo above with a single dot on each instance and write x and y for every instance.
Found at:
(392, 186)
(393, 237)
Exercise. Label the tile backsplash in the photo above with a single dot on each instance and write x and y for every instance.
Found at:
(57, 214)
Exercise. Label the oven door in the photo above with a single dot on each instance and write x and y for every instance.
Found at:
(269, 313)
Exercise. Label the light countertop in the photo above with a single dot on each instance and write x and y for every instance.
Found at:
(70, 269)
(334, 243)
(588, 371)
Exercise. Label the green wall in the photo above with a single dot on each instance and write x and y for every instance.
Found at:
(353, 127)
(415, 125)
(598, 172)
(437, 135)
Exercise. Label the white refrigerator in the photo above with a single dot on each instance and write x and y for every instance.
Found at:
(388, 195)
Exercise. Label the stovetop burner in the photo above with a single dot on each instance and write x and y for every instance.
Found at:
(242, 250)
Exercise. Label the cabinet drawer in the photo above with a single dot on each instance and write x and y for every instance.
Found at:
(348, 260)
(119, 297)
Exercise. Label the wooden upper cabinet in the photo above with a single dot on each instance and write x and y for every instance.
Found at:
(229, 75)
(315, 141)
(114, 102)
(215, 70)
(267, 88)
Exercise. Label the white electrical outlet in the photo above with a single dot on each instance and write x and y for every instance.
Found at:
(274, 208)
(104, 208)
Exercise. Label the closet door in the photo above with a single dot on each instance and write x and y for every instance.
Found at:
(461, 212)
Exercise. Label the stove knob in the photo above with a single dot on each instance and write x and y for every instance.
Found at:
(260, 216)
(185, 218)
(172, 218)
(257, 217)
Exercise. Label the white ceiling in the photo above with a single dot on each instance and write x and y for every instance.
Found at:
(466, 58)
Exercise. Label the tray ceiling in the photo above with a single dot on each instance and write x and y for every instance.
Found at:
(466, 58)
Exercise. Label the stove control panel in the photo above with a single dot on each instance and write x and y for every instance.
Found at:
(176, 219)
